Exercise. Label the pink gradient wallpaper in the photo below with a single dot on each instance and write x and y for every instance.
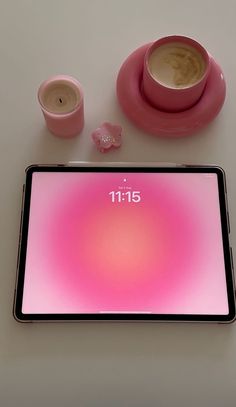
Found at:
(116, 242)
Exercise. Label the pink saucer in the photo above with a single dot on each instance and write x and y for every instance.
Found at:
(160, 123)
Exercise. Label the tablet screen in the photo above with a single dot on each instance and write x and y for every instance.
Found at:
(124, 242)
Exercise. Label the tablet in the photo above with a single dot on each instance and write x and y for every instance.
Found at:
(124, 243)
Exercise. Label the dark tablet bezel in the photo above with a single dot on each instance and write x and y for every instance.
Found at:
(124, 317)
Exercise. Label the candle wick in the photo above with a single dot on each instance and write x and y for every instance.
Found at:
(60, 100)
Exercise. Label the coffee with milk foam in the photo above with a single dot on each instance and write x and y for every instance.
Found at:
(177, 65)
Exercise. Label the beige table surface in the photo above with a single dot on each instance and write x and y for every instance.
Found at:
(92, 364)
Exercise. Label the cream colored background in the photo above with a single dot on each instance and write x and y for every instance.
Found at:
(91, 364)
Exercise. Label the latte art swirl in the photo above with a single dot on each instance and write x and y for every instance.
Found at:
(187, 67)
(176, 65)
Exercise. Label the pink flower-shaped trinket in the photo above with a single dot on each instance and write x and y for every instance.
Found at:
(107, 136)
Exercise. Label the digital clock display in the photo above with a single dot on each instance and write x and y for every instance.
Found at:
(129, 196)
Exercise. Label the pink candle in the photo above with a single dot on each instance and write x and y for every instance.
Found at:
(62, 104)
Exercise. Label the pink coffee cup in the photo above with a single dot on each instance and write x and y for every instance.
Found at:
(176, 69)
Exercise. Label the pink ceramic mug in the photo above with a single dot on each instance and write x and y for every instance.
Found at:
(176, 69)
